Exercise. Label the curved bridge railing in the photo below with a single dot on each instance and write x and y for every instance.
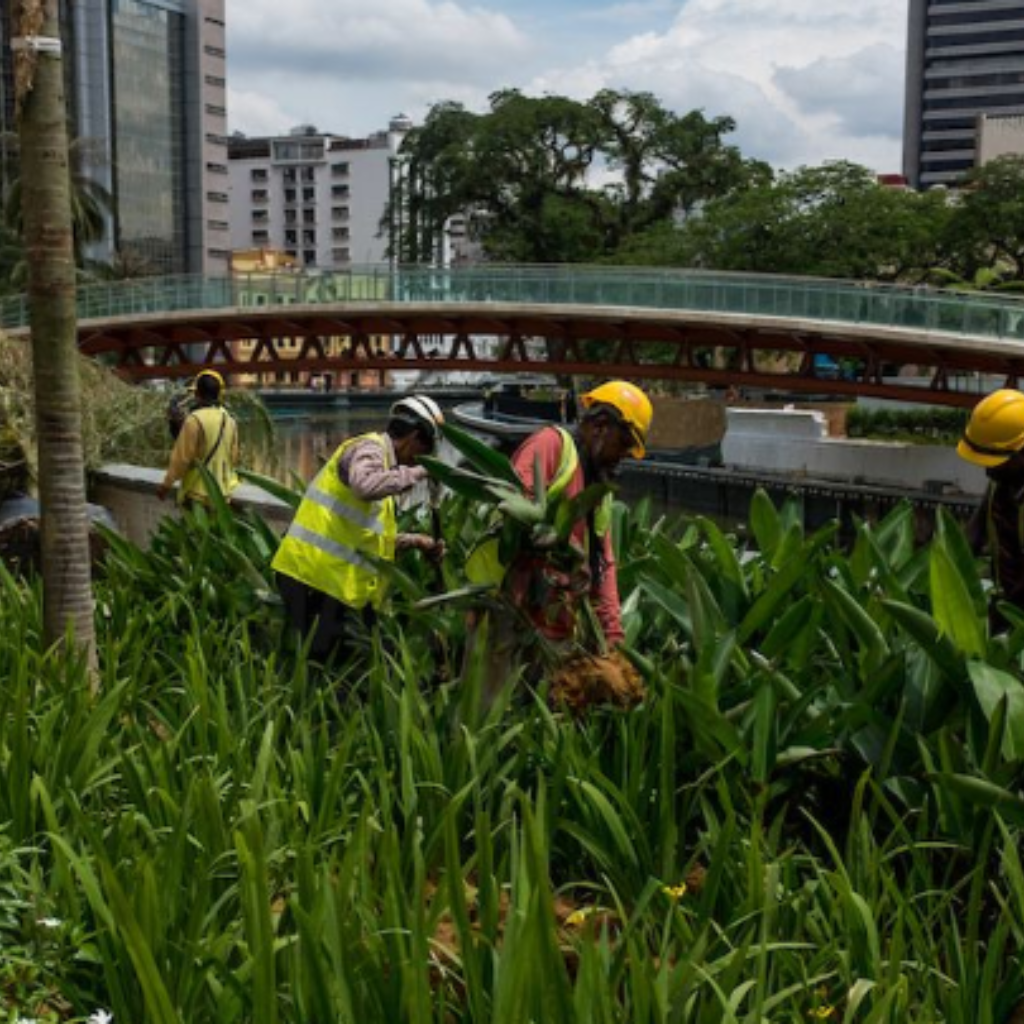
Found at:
(758, 295)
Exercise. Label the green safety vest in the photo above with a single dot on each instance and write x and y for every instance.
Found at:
(335, 536)
(484, 565)
(219, 431)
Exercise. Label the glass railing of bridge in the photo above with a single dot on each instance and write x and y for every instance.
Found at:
(811, 299)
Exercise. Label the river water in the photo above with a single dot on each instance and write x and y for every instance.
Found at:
(305, 442)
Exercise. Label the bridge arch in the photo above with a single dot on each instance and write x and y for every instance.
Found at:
(800, 335)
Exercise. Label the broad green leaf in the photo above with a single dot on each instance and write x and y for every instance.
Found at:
(869, 636)
(926, 633)
(765, 523)
(991, 687)
(982, 793)
(481, 456)
(955, 612)
(726, 561)
(291, 496)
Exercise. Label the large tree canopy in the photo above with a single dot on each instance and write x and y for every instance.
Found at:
(552, 179)
(835, 220)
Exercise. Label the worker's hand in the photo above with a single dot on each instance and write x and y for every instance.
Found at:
(433, 549)
(162, 491)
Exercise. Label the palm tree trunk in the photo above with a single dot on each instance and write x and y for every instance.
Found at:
(46, 179)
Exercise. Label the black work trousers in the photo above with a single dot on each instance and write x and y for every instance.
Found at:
(334, 627)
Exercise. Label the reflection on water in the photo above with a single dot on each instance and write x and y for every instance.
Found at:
(305, 443)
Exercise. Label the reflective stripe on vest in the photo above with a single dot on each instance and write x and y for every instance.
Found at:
(211, 420)
(335, 538)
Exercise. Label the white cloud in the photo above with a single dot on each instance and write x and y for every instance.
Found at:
(806, 80)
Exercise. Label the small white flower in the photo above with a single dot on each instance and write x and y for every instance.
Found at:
(50, 922)
(26, 1020)
(100, 1017)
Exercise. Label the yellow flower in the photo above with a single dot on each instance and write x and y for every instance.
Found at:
(577, 917)
(823, 1012)
(674, 892)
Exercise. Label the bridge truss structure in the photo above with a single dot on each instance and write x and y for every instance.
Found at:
(742, 331)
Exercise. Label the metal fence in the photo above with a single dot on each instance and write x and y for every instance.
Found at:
(646, 288)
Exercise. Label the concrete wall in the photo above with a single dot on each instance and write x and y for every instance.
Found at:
(129, 494)
(795, 441)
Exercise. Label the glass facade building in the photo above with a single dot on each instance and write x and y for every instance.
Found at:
(148, 116)
(965, 59)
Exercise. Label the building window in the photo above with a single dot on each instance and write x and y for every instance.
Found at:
(340, 212)
(214, 168)
(260, 216)
(258, 174)
(309, 238)
(291, 238)
(214, 51)
(289, 195)
(260, 237)
(340, 234)
(342, 255)
(309, 195)
(217, 197)
(258, 195)
(215, 80)
(340, 170)
(309, 215)
(218, 225)
(339, 191)
(216, 111)
(290, 217)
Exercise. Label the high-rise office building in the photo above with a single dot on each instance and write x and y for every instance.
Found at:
(315, 196)
(148, 122)
(965, 59)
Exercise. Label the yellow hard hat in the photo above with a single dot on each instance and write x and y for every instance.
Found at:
(995, 431)
(633, 406)
(214, 375)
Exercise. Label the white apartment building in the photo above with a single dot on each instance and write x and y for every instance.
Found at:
(316, 196)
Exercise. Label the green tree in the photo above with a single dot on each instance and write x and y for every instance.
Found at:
(552, 179)
(47, 228)
(987, 224)
(834, 220)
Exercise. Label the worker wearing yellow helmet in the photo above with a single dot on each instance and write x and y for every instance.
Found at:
(208, 439)
(614, 426)
(994, 439)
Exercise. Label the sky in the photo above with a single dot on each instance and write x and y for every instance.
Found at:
(807, 81)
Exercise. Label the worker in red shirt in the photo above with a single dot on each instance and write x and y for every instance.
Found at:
(614, 426)
(994, 439)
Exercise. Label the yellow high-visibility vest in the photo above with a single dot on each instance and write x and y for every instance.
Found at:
(334, 536)
(219, 433)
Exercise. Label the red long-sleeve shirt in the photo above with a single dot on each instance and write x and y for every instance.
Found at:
(546, 445)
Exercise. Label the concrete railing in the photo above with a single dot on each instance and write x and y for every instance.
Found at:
(129, 493)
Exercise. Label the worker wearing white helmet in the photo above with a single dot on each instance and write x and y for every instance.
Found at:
(326, 564)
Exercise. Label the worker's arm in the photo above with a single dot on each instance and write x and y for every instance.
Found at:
(362, 469)
(605, 596)
(187, 450)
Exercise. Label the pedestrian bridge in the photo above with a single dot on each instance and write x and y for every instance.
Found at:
(726, 330)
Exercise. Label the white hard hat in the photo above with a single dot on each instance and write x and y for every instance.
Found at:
(420, 409)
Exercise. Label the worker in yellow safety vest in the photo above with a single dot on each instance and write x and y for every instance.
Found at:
(327, 566)
(208, 440)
